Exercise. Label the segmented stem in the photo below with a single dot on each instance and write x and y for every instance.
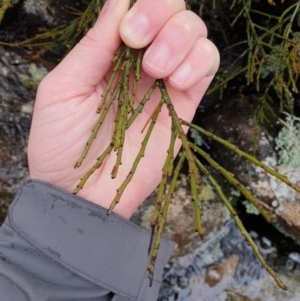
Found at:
(166, 173)
(239, 152)
(128, 65)
(140, 154)
(238, 185)
(162, 219)
(193, 171)
(91, 171)
(97, 126)
(140, 107)
(240, 225)
(118, 56)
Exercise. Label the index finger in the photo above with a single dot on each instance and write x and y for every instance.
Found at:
(143, 21)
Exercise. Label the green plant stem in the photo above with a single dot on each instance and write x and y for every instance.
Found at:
(247, 5)
(99, 162)
(273, 33)
(119, 56)
(97, 127)
(237, 184)
(235, 149)
(162, 186)
(85, 17)
(162, 219)
(140, 107)
(289, 26)
(140, 154)
(121, 119)
(281, 20)
(264, 14)
(240, 225)
(193, 171)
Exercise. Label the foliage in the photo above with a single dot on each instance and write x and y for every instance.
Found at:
(64, 36)
(262, 44)
(288, 141)
(127, 64)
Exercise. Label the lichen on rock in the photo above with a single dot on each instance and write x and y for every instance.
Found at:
(280, 198)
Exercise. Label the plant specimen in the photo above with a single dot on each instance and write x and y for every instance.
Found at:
(121, 88)
(265, 51)
(62, 37)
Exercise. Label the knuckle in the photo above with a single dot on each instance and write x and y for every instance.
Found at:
(191, 23)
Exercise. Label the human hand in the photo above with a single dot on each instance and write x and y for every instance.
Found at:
(68, 97)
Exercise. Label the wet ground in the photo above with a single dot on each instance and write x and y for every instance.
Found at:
(18, 83)
(16, 105)
(224, 268)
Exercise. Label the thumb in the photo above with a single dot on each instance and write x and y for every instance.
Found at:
(88, 62)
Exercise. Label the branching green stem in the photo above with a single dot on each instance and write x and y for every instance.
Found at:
(166, 173)
(97, 127)
(239, 152)
(140, 155)
(237, 184)
(240, 224)
(97, 165)
(193, 171)
(162, 219)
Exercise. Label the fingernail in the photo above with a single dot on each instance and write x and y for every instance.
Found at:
(136, 28)
(157, 57)
(181, 74)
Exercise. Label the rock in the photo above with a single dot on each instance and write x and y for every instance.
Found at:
(274, 195)
(279, 198)
(224, 268)
(180, 220)
(38, 8)
(36, 74)
(217, 276)
(16, 106)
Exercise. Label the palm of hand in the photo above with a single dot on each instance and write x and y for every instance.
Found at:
(61, 129)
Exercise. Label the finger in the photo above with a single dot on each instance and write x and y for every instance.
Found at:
(202, 61)
(144, 20)
(187, 102)
(91, 58)
(173, 43)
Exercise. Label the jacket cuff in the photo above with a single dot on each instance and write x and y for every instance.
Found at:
(109, 251)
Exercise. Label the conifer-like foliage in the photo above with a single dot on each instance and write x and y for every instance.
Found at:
(127, 65)
(63, 37)
(261, 41)
(265, 58)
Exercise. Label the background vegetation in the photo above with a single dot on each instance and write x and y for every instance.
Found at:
(259, 43)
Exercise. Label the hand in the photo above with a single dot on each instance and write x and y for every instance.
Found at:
(68, 97)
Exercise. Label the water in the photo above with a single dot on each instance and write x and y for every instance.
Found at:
(225, 268)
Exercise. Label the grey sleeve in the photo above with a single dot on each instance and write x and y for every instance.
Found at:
(57, 246)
